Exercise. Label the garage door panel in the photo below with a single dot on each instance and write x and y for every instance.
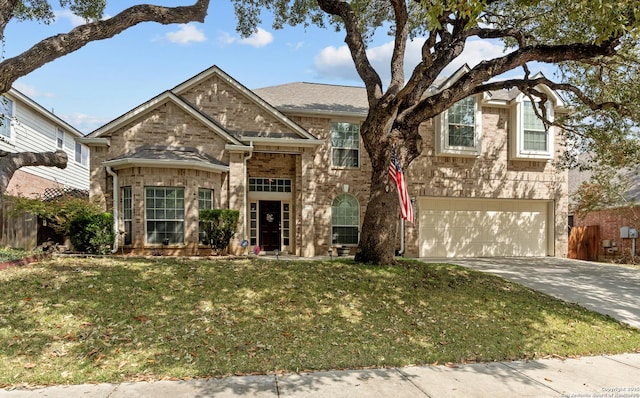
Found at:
(482, 227)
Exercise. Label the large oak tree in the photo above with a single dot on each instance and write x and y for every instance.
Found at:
(54, 47)
(579, 36)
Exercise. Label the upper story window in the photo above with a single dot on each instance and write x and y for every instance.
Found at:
(459, 129)
(82, 154)
(59, 138)
(531, 139)
(6, 115)
(345, 220)
(345, 144)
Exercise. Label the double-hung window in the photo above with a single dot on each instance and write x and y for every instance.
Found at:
(532, 139)
(205, 202)
(459, 132)
(59, 138)
(164, 215)
(345, 220)
(82, 154)
(6, 115)
(345, 145)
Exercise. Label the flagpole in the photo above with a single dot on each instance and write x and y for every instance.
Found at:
(401, 251)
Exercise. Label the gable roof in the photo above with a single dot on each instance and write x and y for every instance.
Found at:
(317, 98)
(150, 105)
(266, 106)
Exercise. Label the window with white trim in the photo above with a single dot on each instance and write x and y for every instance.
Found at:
(205, 202)
(82, 154)
(6, 115)
(531, 139)
(127, 214)
(345, 220)
(345, 144)
(164, 208)
(459, 130)
(60, 138)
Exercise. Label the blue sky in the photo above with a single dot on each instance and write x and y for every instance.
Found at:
(107, 78)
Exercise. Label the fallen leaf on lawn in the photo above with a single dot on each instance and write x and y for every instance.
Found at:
(141, 318)
(451, 365)
(29, 365)
(26, 299)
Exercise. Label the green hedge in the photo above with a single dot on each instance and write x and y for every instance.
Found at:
(92, 233)
(219, 226)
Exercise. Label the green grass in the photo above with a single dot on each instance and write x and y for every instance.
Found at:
(76, 320)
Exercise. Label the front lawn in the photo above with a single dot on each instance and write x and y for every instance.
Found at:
(74, 320)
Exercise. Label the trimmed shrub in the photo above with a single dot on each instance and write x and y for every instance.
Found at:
(219, 226)
(92, 233)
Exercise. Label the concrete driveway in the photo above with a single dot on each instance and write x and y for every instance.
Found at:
(604, 288)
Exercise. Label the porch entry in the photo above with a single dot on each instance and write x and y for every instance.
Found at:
(270, 224)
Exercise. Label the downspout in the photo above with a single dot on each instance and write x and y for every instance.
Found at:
(115, 208)
(246, 190)
(401, 251)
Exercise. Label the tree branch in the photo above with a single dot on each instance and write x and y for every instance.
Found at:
(353, 38)
(472, 82)
(55, 47)
(400, 45)
(11, 162)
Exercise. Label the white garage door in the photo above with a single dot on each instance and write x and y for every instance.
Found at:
(483, 227)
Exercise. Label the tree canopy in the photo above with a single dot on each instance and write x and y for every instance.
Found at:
(592, 42)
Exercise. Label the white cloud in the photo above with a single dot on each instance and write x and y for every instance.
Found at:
(83, 122)
(332, 62)
(296, 46)
(187, 33)
(73, 19)
(225, 38)
(259, 39)
(31, 92)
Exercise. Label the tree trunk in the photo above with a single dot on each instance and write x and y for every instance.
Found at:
(380, 227)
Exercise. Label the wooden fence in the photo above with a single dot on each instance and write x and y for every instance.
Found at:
(584, 243)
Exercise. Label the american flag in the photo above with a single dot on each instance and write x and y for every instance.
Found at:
(395, 171)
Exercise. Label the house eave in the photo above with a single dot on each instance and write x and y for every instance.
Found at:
(330, 114)
(164, 163)
(284, 142)
(95, 141)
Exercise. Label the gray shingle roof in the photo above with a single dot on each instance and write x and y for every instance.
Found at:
(315, 97)
(170, 153)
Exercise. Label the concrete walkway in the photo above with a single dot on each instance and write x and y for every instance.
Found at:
(606, 288)
(608, 376)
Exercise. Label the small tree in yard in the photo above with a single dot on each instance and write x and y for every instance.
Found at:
(219, 226)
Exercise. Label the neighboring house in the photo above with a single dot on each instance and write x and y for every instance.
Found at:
(291, 160)
(28, 127)
(606, 224)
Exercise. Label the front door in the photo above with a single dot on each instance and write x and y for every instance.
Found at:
(270, 216)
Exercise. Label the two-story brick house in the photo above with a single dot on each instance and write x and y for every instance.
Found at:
(290, 159)
(28, 127)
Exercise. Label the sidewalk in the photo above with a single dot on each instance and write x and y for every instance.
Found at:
(602, 376)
